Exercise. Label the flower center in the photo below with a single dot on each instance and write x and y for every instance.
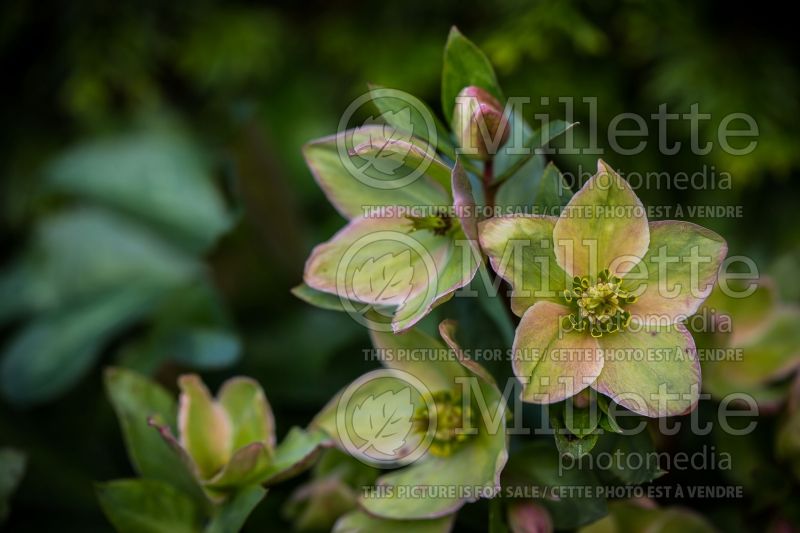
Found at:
(453, 423)
(439, 223)
(598, 305)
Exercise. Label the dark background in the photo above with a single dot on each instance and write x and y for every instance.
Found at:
(252, 82)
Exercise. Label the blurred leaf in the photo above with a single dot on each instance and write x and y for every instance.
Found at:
(135, 399)
(205, 348)
(232, 514)
(157, 176)
(147, 506)
(55, 350)
(464, 65)
(12, 468)
(87, 253)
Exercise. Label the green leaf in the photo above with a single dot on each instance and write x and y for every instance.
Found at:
(157, 176)
(619, 447)
(508, 165)
(147, 506)
(538, 465)
(12, 468)
(571, 443)
(135, 400)
(464, 65)
(55, 350)
(231, 515)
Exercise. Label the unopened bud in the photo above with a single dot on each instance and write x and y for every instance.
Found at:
(479, 123)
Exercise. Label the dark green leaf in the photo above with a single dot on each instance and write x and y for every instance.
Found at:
(55, 350)
(147, 506)
(231, 515)
(135, 399)
(538, 466)
(464, 65)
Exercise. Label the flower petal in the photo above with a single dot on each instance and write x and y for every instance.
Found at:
(349, 181)
(249, 412)
(361, 522)
(246, 467)
(205, 431)
(456, 263)
(432, 362)
(447, 330)
(521, 252)
(477, 463)
(384, 262)
(680, 267)
(653, 371)
(604, 225)
(553, 364)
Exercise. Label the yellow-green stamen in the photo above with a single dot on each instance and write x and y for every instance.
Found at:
(598, 306)
(454, 423)
(440, 223)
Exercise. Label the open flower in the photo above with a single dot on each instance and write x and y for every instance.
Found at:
(603, 295)
(229, 442)
(405, 248)
(438, 412)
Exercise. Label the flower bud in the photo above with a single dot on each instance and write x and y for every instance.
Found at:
(479, 123)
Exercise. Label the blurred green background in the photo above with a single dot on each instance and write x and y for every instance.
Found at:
(189, 268)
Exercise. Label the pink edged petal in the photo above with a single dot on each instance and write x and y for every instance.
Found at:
(355, 178)
(652, 371)
(384, 262)
(677, 274)
(553, 364)
(205, 430)
(604, 225)
(464, 203)
(447, 330)
(455, 265)
(375, 260)
(521, 252)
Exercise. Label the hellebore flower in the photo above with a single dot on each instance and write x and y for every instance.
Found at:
(754, 340)
(479, 123)
(437, 412)
(406, 248)
(229, 442)
(603, 295)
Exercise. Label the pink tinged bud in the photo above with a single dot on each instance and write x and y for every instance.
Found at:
(479, 123)
(529, 517)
